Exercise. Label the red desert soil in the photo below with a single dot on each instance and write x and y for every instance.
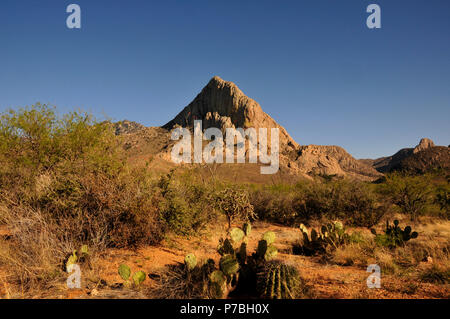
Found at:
(326, 280)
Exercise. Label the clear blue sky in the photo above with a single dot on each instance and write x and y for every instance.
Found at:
(313, 66)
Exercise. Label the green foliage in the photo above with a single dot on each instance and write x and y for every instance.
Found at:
(184, 205)
(356, 203)
(330, 235)
(442, 198)
(276, 280)
(411, 194)
(394, 235)
(72, 171)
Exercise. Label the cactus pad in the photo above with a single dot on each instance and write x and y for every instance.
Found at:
(190, 261)
(229, 265)
(139, 277)
(124, 272)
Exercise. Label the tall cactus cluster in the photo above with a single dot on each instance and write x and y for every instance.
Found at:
(276, 280)
(331, 234)
(394, 235)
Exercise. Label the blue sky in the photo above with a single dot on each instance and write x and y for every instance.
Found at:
(313, 66)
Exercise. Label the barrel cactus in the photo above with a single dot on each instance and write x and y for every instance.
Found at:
(277, 280)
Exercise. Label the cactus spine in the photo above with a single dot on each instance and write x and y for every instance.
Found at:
(276, 280)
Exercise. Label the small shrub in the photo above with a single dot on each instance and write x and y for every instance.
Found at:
(411, 194)
(235, 204)
(435, 274)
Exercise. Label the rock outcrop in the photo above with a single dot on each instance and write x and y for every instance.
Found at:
(222, 104)
(420, 159)
(423, 145)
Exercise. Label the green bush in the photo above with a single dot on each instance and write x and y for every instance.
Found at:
(184, 205)
(356, 203)
(64, 182)
(411, 194)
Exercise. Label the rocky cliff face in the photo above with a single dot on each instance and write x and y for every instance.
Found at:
(223, 105)
(420, 159)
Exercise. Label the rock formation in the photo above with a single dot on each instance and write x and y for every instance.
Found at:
(420, 159)
(223, 105)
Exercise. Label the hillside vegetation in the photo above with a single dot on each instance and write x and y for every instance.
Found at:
(66, 183)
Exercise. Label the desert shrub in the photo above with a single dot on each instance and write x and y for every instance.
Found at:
(442, 198)
(235, 204)
(349, 255)
(63, 183)
(185, 206)
(435, 274)
(276, 204)
(411, 194)
(353, 202)
(356, 203)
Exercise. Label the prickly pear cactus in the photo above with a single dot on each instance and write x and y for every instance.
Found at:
(72, 259)
(265, 251)
(237, 234)
(242, 254)
(229, 265)
(247, 228)
(190, 261)
(217, 284)
(315, 243)
(138, 278)
(332, 234)
(394, 235)
(269, 237)
(124, 272)
(276, 280)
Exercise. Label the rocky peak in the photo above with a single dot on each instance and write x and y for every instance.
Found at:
(423, 145)
(127, 127)
(223, 105)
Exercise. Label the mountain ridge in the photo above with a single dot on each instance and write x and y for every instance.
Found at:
(223, 105)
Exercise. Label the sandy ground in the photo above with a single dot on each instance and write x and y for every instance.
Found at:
(327, 280)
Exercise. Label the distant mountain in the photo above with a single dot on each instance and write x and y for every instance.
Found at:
(420, 159)
(223, 105)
